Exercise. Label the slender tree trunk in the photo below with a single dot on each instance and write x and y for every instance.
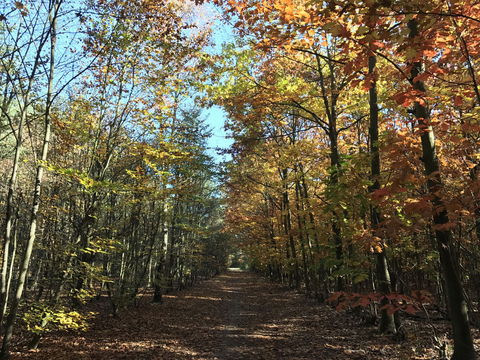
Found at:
(457, 306)
(303, 236)
(475, 177)
(311, 229)
(12, 183)
(10, 267)
(169, 265)
(9, 216)
(334, 181)
(276, 265)
(330, 98)
(147, 264)
(287, 225)
(387, 323)
(159, 270)
(37, 191)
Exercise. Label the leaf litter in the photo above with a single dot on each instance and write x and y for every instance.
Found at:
(237, 315)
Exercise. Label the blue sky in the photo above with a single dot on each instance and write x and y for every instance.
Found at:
(215, 116)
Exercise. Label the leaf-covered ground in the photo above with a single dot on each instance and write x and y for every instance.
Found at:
(237, 315)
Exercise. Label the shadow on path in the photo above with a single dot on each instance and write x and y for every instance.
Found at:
(237, 315)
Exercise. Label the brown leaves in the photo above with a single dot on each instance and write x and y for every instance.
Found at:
(408, 98)
(20, 6)
(396, 302)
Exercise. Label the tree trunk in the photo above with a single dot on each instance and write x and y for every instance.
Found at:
(287, 225)
(303, 237)
(387, 323)
(457, 306)
(37, 191)
(159, 270)
(334, 181)
(10, 212)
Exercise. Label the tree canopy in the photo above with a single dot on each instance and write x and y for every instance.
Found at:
(353, 175)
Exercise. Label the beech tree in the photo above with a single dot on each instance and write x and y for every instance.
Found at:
(377, 77)
(353, 174)
(104, 153)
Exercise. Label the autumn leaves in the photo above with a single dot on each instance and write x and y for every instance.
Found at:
(305, 147)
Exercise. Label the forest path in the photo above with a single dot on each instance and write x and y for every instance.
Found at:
(237, 315)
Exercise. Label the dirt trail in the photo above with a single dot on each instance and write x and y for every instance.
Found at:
(237, 315)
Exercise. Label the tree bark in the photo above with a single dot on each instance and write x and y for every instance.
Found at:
(457, 306)
(387, 323)
(287, 225)
(53, 12)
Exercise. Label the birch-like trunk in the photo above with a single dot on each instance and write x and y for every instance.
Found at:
(25, 261)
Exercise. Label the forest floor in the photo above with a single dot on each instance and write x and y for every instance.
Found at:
(237, 315)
